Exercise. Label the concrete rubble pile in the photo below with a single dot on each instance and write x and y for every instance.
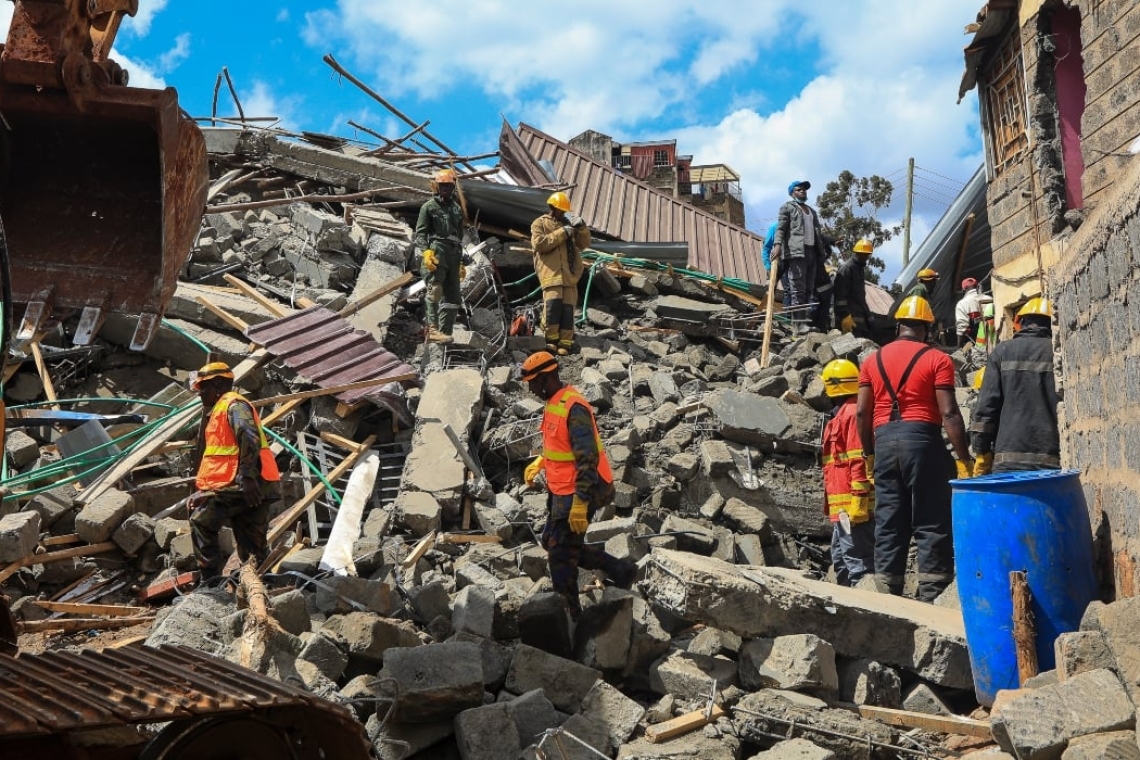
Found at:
(443, 632)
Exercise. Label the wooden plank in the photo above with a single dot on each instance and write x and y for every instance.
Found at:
(127, 642)
(72, 625)
(253, 293)
(233, 321)
(339, 441)
(344, 410)
(682, 724)
(336, 389)
(769, 312)
(468, 538)
(1024, 630)
(278, 413)
(420, 550)
(377, 294)
(282, 522)
(78, 608)
(942, 724)
(70, 538)
(45, 376)
(87, 550)
(168, 587)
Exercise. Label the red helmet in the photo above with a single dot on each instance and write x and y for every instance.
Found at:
(968, 283)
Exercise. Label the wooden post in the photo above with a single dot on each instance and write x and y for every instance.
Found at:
(773, 278)
(1024, 630)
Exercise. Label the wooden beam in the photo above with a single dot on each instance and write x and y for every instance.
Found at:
(87, 550)
(45, 376)
(468, 538)
(280, 412)
(70, 538)
(769, 312)
(77, 608)
(418, 551)
(235, 322)
(72, 625)
(377, 294)
(282, 522)
(339, 441)
(336, 389)
(682, 724)
(1024, 629)
(248, 290)
(942, 724)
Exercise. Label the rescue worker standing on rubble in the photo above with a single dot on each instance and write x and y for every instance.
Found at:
(237, 474)
(906, 397)
(558, 238)
(968, 312)
(578, 481)
(849, 493)
(439, 238)
(927, 280)
(851, 311)
(1014, 425)
(801, 247)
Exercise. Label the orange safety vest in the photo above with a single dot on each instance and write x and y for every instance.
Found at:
(561, 474)
(220, 457)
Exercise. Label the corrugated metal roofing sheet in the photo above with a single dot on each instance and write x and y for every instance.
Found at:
(623, 207)
(321, 346)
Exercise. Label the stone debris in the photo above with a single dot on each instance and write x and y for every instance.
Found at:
(447, 639)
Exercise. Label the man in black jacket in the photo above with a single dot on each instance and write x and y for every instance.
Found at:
(851, 312)
(1014, 425)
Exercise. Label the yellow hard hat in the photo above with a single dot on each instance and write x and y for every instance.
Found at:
(536, 364)
(927, 274)
(840, 378)
(445, 177)
(559, 200)
(209, 372)
(864, 246)
(1036, 307)
(915, 309)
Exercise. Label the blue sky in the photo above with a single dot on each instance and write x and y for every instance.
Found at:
(785, 90)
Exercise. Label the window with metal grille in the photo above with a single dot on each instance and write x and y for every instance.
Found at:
(660, 158)
(623, 161)
(1004, 103)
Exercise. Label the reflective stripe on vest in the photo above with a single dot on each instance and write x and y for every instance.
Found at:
(219, 465)
(561, 474)
(843, 456)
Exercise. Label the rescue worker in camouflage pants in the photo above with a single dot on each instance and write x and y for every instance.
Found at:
(558, 239)
(237, 475)
(578, 479)
(439, 239)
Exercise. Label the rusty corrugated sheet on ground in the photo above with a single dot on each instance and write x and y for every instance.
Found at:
(322, 347)
(57, 692)
(625, 208)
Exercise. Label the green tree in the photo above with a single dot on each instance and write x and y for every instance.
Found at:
(849, 208)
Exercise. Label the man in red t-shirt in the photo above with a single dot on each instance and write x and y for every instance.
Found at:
(906, 397)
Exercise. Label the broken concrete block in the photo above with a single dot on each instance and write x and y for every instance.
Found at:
(53, 504)
(711, 642)
(749, 550)
(642, 285)
(492, 520)
(747, 519)
(615, 713)
(1120, 624)
(692, 315)
(324, 653)
(688, 675)
(19, 536)
(922, 699)
(761, 601)
(603, 630)
(419, 512)
(533, 714)
(487, 733)
(683, 466)
(97, 521)
(799, 662)
(1115, 745)
(663, 388)
(796, 749)
(474, 611)
(429, 601)
(1040, 723)
(21, 448)
(565, 682)
(545, 624)
(1081, 651)
(866, 682)
(340, 594)
(196, 621)
(368, 636)
(847, 733)
(134, 532)
(745, 418)
(696, 538)
(435, 681)
(395, 741)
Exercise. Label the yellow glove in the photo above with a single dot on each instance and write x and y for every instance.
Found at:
(578, 519)
(862, 501)
(532, 470)
(462, 272)
(984, 464)
(869, 467)
(430, 261)
(965, 469)
(847, 324)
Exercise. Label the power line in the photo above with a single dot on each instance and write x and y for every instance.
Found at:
(951, 188)
(942, 176)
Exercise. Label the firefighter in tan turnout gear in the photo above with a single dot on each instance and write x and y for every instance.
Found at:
(558, 239)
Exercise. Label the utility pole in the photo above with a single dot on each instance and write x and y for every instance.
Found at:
(906, 217)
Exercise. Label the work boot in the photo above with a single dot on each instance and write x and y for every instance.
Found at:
(565, 347)
(626, 575)
(435, 336)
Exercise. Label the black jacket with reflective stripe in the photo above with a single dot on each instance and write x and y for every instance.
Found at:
(851, 290)
(1016, 411)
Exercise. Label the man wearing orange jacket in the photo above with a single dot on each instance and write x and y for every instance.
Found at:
(578, 479)
(237, 474)
(846, 481)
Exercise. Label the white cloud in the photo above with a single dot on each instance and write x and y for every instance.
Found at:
(283, 15)
(139, 24)
(170, 60)
(262, 101)
(141, 75)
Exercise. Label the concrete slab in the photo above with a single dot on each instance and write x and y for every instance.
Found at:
(436, 681)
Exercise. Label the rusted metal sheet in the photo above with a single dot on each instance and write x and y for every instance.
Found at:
(322, 347)
(618, 205)
(57, 692)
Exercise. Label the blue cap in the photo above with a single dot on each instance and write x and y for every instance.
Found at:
(797, 183)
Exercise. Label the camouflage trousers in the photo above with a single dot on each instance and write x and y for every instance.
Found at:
(250, 527)
(566, 551)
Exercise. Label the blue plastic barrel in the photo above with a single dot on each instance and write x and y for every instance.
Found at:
(1036, 522)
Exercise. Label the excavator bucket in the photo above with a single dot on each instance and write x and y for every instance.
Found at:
(102, 186)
